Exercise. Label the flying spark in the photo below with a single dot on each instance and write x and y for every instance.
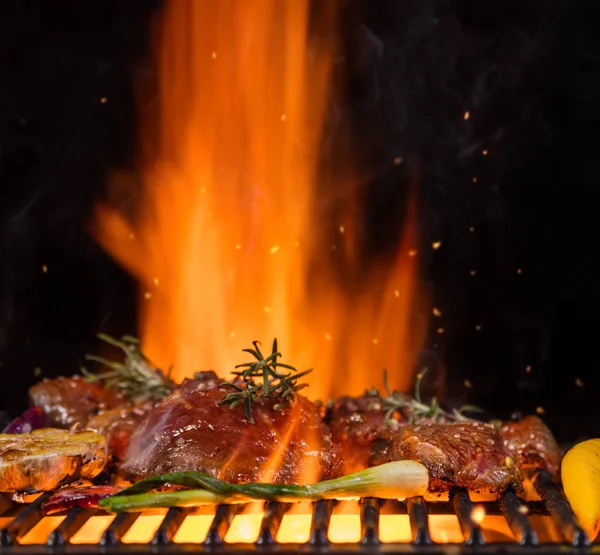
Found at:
(478, 514)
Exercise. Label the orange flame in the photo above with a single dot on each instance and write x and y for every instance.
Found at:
(224, 238)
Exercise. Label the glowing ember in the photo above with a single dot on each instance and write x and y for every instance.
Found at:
(478, 514)
(225, 233)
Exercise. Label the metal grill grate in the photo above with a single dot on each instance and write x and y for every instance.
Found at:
(516, 513)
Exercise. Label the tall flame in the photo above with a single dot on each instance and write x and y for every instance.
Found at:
(225, 239)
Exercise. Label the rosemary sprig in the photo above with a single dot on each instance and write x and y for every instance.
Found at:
(135, 377)
(262, 379)
(419, 409)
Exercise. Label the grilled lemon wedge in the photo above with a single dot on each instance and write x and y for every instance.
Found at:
(580, 472)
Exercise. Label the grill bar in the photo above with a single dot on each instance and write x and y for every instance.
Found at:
(118, 528)
(369, 521)
(419, 522)
(70, 526)
(224, 516)
(463, 507)
(271, 522)
(516, 513)
(169, 526)
(560, 510)
(320, 523)
(24, 521)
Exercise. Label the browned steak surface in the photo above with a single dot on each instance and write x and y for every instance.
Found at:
(117, 425)
(470, 455)
(532, 441)
(358, 426)
(190, 431)
(70, 401)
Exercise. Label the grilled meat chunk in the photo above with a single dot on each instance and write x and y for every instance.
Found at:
(190, 431)
(117, 425)
(74, 401)
(70, 401)
(470, 455)
(532, 441)
(45, 458)
(357, 425)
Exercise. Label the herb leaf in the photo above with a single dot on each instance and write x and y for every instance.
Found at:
(135, 377)
(395, 401)
(262, 379)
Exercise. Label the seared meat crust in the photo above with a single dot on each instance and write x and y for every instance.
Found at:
(532, 441)
(469, 455)
(70, 401)
(118, 425)
(190, 431)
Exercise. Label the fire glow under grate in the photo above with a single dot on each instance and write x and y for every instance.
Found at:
(369, 525)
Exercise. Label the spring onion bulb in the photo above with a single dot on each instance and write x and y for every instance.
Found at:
(394, 480)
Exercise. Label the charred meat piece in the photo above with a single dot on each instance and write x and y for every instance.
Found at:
(532, 441)
(46, 458)
(118, 425)
(468, 455)
(358, 426)
(189, 430)
(70, 401)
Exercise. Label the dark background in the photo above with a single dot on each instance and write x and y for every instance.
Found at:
(527, 72)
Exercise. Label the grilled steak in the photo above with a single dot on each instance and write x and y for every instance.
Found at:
(45, 458)
(70, 401)
(117, 425)
(357, 425)
(470, 455)
(74, 401)
(190, 431)
(532, 441)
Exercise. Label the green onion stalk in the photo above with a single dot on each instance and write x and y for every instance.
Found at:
(394, 480)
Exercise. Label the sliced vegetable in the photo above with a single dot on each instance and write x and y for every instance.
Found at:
(394, 480)
(83, 497)
(46, 458)
(33, 418)
(580, 472)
